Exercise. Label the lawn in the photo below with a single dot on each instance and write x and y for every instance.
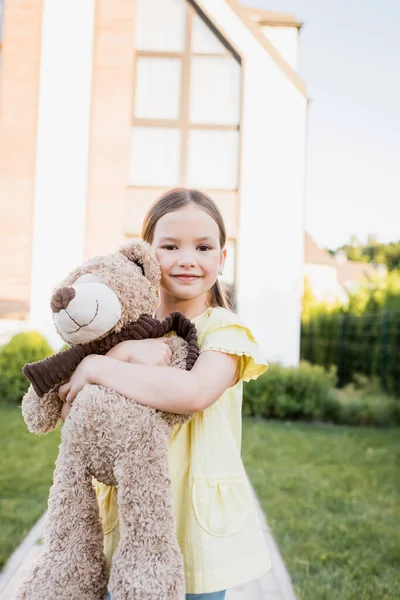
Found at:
(331, 496)
(26, 468)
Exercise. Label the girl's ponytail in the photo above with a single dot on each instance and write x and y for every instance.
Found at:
(219, 297)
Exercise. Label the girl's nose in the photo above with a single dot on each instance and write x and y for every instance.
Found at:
(187, 260)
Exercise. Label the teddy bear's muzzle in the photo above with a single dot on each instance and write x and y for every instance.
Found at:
(85, 312)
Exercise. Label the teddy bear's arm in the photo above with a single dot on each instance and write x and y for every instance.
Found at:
(41, 414)
(179, 348)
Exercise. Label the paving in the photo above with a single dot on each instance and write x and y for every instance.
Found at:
(275, 585)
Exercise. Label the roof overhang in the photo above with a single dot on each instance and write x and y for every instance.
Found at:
(255, 29)
(272, 19)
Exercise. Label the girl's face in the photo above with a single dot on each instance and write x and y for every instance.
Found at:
(186, 243)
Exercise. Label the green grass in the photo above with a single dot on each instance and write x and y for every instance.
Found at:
(331, 496)
(26, 469)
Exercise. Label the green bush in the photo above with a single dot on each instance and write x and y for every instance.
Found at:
(25, 347)
(290, 393)
(307, 393)
(360, 407)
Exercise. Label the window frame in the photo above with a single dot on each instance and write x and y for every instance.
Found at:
(183, 122)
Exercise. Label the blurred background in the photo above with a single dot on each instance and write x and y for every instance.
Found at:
(287, 113)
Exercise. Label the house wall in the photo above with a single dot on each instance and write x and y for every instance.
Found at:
(270, 244)
(19, 86)
(62, 149)
(83, 202)
(285, 39)
(83, 198)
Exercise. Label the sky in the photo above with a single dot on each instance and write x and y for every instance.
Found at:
(349, 58)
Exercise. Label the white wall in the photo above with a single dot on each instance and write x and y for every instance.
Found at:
(285, 39)
(270, 244)
(62, 150)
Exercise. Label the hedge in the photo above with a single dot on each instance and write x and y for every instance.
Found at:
(307, 393)
(25, 347)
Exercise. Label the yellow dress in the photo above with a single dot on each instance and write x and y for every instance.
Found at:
(217, 525)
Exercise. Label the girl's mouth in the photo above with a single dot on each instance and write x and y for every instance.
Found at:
(186, 278)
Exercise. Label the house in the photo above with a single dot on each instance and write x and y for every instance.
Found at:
(105, 105)
(333, 278)
(321, 271)
(351, 273)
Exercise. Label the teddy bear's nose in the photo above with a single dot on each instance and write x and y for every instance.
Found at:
(61, 298)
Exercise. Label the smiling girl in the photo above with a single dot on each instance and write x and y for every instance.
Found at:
(217, 524)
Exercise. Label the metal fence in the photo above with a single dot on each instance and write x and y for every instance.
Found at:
(367, 344)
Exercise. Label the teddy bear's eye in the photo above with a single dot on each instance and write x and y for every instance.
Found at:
(87, 278)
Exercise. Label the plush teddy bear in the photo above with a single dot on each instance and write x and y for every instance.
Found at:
(109, 437)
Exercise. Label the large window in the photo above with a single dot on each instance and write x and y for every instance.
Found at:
(186, 101)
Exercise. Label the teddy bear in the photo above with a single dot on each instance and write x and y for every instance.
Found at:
(108, 437)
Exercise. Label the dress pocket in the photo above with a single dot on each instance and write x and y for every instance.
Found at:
(221, 505)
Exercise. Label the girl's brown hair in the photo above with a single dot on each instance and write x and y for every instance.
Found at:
(177, 199)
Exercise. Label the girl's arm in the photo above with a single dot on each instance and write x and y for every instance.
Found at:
(163, 388)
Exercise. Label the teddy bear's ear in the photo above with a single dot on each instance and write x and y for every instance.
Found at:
(142, 254)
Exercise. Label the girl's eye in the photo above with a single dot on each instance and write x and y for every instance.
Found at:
(168, 247)
(206, 247)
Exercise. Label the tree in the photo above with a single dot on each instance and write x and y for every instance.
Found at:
(372, 252)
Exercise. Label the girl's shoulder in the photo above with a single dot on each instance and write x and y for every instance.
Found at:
(222, 330)
(215, 315)
(219, 318)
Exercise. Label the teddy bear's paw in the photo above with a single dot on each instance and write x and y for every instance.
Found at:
(173, 419)
(41, 414)
(49, 580)
(147, 582)
(176, 592)
(179, 348)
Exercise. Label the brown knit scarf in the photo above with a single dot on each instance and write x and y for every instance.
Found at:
(46, 374)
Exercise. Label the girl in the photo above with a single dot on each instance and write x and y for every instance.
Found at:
(216, 521)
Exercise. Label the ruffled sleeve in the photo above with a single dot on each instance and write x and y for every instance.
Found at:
(225, 332)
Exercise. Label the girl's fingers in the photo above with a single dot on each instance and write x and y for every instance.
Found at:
(65, 410)
(63, 391)
(168, 355)
(73, 392)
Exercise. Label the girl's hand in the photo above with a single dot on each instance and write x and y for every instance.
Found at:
(144, 352)
(81, 376)
(65, 410)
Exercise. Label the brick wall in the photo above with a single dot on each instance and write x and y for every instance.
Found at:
(19, 83)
